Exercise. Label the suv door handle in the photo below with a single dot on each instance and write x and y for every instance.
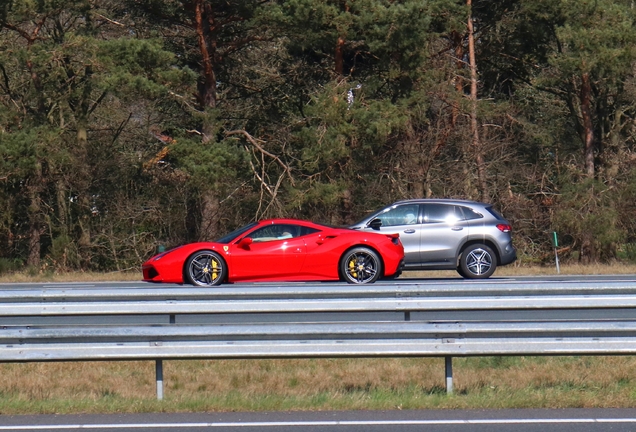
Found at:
(409, 231)
(457, 228)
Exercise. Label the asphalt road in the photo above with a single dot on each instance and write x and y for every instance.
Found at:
(567, 420)
(404, 279)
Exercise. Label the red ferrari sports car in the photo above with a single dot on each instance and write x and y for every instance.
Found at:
(282, 250)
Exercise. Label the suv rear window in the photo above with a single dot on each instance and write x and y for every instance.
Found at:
(471, 214)
(495, 213)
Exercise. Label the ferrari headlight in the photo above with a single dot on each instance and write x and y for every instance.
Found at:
(162, 254)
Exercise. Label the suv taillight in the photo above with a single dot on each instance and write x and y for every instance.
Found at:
(504, 228)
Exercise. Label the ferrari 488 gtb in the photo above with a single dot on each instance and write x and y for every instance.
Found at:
(281, 250)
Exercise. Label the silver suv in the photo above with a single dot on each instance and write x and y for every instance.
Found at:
(443, 234)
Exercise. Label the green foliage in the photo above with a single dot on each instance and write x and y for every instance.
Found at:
(339, 142)
(208, 164)
(9, 265)
(141, 67)
(64, 253)
(587, 215)
(596, 37)
(111, 143)
(627, 252)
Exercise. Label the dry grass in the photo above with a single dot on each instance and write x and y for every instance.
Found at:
(321, 384)
(521, 270)
(25, 277)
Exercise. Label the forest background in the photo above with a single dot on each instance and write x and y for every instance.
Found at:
(128, 124)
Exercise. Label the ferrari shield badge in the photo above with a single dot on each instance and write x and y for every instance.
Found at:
(225, 248)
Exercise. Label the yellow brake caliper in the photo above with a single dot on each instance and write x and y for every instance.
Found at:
(214, 269)
(352, 266)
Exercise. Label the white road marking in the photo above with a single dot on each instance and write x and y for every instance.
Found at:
(318, 423)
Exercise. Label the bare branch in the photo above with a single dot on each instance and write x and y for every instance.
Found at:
(256, 144)
(109, 20)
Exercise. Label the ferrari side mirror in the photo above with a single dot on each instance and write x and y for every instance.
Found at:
(245, 242)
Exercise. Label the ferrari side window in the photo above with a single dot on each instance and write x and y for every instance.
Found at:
(307, 230)
(275, 232)
(286, 231)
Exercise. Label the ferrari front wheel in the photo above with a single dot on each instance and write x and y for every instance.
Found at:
(360, 265)
(205, 268)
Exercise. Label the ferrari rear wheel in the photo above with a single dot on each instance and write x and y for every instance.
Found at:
(205, 268)
(361, 265)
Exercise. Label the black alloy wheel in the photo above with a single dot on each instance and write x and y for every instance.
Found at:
(205, 268)
(361, 265)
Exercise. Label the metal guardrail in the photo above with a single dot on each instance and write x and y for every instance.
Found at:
(380, 322)
(316, 340)
(437, 288)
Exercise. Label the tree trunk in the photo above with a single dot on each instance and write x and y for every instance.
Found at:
(62, 207)
(205, 26)
(458, 48)
(84, 241)
(476, 143)
(339, 53)
(346, 216)
(588, 127)
(443, 130)
(339, 57)
(35, 214)
(588, 250)
(210, 207)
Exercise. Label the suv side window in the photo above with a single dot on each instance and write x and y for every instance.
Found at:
(442, 213)
(470, 214)
(400, 215)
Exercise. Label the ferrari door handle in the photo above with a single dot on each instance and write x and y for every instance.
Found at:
(409, 231)
(457, 228)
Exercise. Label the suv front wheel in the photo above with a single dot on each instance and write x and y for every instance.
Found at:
(478, 261)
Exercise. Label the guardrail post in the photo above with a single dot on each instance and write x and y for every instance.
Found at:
(449, 374)
(159, 374)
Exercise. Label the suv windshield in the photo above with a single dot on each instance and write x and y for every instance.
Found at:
(365, 218)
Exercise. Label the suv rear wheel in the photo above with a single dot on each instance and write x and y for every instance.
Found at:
(478, 261)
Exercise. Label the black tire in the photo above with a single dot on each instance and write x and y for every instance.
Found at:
(461, 272)
(478, 261)
(361, 265)
(205, 268)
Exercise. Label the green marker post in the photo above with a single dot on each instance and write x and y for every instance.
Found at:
(555, 243)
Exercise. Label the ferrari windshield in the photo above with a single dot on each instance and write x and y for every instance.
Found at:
(234, 234)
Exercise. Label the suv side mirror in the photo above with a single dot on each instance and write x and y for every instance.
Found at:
(375, 224)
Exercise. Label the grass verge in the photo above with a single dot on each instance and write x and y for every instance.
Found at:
(318, 384)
